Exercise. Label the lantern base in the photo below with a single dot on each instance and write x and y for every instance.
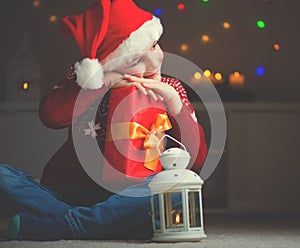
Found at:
(191, 236)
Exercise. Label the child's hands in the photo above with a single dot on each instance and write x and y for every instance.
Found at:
(158, 91)
(117, 80)
(112, 78)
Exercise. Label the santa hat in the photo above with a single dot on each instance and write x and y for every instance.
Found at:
(107, 30)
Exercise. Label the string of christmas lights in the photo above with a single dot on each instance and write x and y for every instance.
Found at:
(261, 24)
(216, 77)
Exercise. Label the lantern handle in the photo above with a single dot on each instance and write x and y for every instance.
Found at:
(170, 137)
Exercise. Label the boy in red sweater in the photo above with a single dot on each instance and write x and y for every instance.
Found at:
(119, 50)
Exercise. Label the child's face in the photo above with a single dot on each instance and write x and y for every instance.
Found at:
(145, 64)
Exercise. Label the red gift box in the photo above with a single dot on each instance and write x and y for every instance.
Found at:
(135, 123)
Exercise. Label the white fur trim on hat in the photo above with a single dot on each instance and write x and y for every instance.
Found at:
(138, 41)
(89, 74)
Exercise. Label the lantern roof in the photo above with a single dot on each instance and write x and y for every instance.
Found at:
(175, 179)
(175, 158)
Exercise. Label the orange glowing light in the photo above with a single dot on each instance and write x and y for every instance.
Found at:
(184, 47)
(36, 3)
(276, 47)
(218, 76)
(226, 25)
(53, 18)
(236, 80)
(236, 74)
(177, 219)
(205, 38)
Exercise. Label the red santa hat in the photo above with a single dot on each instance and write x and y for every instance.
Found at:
(107, 30)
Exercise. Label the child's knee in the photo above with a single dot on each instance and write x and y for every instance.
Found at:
(7, 173)
(6, 169)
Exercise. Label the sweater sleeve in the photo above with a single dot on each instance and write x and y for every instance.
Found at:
(187, 129)
(56, 110)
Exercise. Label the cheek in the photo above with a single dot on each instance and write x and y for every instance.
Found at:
(161, 57)
(158, 57)
(136, 70)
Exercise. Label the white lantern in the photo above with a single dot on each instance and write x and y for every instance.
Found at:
(176, 199)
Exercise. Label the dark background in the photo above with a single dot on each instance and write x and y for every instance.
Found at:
(242, 48)
(260, 165)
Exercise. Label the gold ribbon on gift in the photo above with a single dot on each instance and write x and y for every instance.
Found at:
(134, 130)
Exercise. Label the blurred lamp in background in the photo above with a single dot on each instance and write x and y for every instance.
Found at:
(23, 74)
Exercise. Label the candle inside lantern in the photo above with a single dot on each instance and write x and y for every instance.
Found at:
(177, 219)
(236, 80)
(180, 206)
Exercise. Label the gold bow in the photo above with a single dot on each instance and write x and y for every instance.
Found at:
(134, 130)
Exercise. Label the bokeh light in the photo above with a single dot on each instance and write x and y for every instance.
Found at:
(158, 12)
(226, 25)
(184, 47)
(36, 3)
(25, 85)
(261, 24)
(53, 18)
(181, 6)
(197, 75)
(205, 38)
(260, 71)
(218, 76)
(276, 46)
(236, 74)
(207, 73)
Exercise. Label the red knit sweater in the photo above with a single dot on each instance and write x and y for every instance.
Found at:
(56, 111)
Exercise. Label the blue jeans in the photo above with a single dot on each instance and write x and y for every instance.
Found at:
(45, 216)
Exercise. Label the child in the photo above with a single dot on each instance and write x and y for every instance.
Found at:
(68, 204)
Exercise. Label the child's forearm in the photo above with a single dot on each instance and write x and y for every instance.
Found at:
(191, 134)
(56, 110)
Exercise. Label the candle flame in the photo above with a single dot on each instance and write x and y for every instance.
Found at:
(236, 74)
(177, 219)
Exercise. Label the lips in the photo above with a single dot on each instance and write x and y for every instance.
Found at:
(151, 76)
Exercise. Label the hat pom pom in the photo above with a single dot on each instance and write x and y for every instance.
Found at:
(89, 74)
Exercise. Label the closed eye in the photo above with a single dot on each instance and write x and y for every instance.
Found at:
(136, 62)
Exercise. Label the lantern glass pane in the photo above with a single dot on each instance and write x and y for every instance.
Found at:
(173, 210)
(194, 209)
(156, 212)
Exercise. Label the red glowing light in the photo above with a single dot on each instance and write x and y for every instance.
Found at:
(181, 6)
